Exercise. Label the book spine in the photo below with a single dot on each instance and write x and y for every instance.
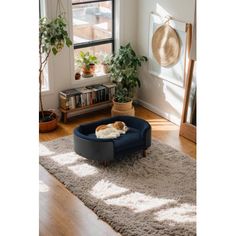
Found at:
(82, 100)
(104, 94)
(85, 99)
(64, 102)
(72, 102)
(94, 97)
(77, 100)
(91, 98)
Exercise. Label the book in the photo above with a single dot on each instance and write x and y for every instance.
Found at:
(100, 92)
(69, 93)
(86, 95)
(110, 90)
(72, 102)
(93, 96)
(64, 102)
(77, 101)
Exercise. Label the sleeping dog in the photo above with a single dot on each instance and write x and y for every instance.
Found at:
(112, 130)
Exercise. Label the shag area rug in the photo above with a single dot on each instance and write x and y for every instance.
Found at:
(153, 195)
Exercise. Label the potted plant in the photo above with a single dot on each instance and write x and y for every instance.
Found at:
(86, 62)
(106, 62)
(124, 72)
(52, 38)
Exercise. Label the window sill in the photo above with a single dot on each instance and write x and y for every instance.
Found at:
(98, 78)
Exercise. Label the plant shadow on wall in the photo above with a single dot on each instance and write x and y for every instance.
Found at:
(152, 193)
(53, 36)
(155, 90)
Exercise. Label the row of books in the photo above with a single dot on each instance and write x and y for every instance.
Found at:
(86, 96)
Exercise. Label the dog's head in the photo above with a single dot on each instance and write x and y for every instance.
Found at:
(120, 126)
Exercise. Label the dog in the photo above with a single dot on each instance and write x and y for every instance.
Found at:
(113, 130)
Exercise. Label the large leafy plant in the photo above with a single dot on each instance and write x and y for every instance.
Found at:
(124, 72)
(53, 36)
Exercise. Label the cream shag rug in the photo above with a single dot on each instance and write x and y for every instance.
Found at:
(153, 195)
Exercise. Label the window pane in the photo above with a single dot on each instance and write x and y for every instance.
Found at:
(45, 79)
(42, 8)
(92, 21)
(99, 51)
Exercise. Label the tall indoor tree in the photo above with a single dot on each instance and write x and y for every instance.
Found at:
(53, 36)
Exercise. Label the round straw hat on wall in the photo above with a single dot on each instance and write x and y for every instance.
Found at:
(166, 45)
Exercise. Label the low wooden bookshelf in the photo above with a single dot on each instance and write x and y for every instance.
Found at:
(83, 110)
(77, 101)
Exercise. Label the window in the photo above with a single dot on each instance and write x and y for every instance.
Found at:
(45, 79)
(93, 28)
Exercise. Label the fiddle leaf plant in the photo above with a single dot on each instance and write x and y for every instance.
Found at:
(124, 72)
(53, 36)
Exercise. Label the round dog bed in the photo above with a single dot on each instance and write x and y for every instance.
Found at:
(86, 144)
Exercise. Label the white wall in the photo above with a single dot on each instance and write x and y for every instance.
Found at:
(128, 21)
(61, 65)
(156, 94)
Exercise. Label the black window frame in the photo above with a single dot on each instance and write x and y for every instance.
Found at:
(101, 41)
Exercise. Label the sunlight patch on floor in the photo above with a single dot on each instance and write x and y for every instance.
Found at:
(65, 158)
(44, 151)
(182, 214)
(158, 120)
(43, 188)
(162, 125)
(83, 170)
(104, 189)
(139, 202)
(163, 128)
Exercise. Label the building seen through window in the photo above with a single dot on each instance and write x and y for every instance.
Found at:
(93, 28)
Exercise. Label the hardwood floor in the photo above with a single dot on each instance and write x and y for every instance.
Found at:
(60, 212)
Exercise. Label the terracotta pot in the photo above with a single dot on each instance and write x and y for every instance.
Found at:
(50, 125)
(122, 109)
(88, 71)
(92, 68)
(77, 76)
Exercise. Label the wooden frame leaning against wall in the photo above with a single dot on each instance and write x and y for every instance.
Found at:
(187, 129)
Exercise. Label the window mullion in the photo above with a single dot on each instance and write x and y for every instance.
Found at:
(87, 2)
(93, 43)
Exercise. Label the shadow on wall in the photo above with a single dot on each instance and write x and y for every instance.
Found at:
(161, 96)
(180, 9)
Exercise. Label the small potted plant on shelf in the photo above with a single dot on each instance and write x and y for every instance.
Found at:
(106, 63)
(86, 62)
(52, 38)
(77, 71)
(124, 73)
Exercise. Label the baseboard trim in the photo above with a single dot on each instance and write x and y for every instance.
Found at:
(159, 112)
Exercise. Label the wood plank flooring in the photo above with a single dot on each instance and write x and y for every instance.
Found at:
(63, 214)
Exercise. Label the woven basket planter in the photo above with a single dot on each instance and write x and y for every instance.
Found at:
(122, 109)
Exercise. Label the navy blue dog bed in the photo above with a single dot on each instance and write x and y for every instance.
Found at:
(138, 137)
